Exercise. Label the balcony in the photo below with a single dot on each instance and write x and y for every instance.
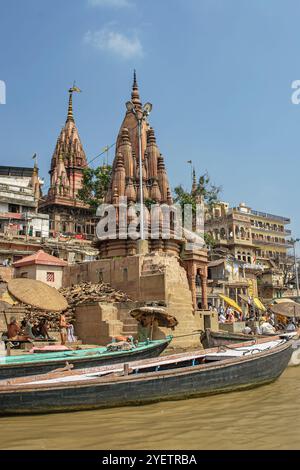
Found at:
(270, 230)
(265, 215)
(271, 243)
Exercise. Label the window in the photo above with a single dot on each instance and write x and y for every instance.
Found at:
(50, 277)
(14, 208)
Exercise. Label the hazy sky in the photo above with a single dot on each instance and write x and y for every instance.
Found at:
(218, 73)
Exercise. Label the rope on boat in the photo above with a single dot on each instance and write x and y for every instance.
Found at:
(197, 332)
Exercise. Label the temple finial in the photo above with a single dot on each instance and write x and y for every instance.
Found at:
(70, 117)
(135, 95)
(70, 108)
(194, 186)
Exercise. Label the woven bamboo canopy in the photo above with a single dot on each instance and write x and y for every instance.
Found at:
(286, 309)
(37, 294)
(157, 313)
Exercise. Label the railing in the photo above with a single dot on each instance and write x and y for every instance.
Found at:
(15, 189)
(271, 242)
(265, 215)
(273, 230)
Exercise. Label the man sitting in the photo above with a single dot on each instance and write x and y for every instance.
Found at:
(266, 328)
(14, 331)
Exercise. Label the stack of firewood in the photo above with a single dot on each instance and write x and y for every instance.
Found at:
(85, 292)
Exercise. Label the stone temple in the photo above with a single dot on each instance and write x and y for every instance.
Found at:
(68, 215)
(152, 269)
(125, 182)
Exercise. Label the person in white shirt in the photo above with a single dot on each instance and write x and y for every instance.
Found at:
(267, 329)
(222, 318)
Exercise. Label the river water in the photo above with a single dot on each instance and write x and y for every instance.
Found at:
(267, 417)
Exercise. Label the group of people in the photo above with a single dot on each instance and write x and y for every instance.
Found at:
(27, 331)
(255, 323)
(229, 315)
(39, 330)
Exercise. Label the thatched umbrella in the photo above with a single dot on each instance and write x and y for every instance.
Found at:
(37, 294)
(155, 314)
(286, 309)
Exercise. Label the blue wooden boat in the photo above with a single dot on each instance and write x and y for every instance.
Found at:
(33, 364)
(165, 378)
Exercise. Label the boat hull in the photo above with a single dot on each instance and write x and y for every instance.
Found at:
(213, 339)
(154, 349)
(229, 375)
(295, 359)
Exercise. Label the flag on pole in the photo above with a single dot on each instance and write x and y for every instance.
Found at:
(189, 161)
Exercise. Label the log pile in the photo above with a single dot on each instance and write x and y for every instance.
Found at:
(85, 292)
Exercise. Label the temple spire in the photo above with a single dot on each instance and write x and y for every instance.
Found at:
(135, 85)
(135, 95)
(70, 117)
(194, 186)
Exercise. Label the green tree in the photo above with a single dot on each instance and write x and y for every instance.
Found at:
(204, 188)
(95, 184)
(208, 192)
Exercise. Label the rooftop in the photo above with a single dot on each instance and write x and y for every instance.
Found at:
(40, 258)
(16, 171)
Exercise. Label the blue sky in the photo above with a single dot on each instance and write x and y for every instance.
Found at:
(218, 73)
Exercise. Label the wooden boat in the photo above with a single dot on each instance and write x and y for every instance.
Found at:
(165, 378)
(212, 339)
(41, 363)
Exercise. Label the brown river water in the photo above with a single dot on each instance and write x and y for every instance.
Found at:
(267, 417)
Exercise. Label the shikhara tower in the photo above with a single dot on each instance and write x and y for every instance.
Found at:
(67, 213)
(125, 181)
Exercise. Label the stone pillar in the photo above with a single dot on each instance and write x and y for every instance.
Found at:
(204, 291)
(191, 274)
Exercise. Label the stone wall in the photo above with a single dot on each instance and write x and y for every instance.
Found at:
(177, 297)
(97, 323)
(153, 277)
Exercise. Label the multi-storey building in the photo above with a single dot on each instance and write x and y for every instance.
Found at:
(258, 241)
(250, 236)
(24, 230)
(20, 190)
